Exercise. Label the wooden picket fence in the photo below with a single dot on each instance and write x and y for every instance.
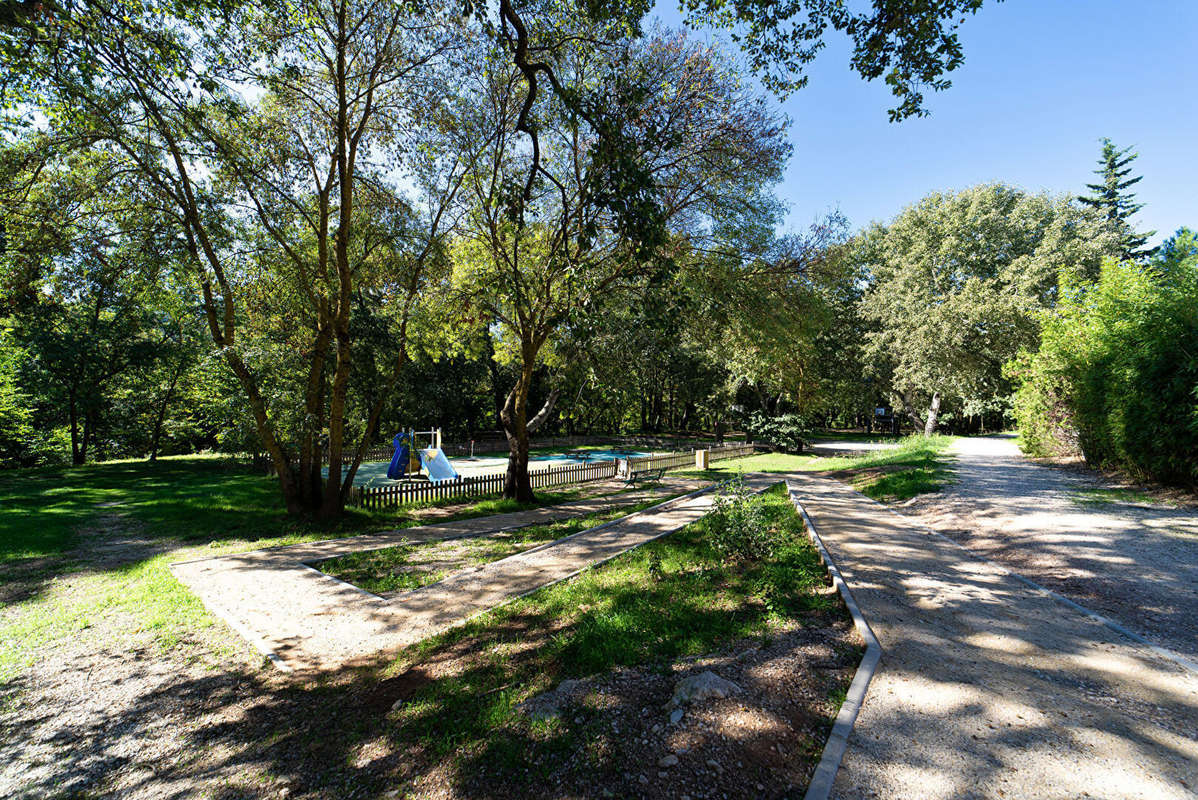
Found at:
(732, 451)
(680, 459)
(475, 486)
(490, 443)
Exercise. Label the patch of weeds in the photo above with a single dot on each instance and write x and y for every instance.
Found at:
(674, 597)
(1129, 497)
(411, 566)
(737, 526)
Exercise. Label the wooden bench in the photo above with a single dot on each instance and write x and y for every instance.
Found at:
(647, 475)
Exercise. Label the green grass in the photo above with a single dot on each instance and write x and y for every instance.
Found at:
(671, 598)
(52, 587)
(849, 436)
(1135, 497)
(916, 466)
(394, 569)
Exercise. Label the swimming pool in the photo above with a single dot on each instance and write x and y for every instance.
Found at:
(374, 473)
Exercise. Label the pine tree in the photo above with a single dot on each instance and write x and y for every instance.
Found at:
(1112, 198)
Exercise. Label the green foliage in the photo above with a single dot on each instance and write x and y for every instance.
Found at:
(1112, 199)
(911, 46)
(785, 431)
(956, 282)
(18, 439)
(738, 526)
(1116, 375)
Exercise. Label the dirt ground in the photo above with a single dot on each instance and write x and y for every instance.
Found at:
(107, 712)
(1136, 563)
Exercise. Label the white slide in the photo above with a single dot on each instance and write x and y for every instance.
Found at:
(438, 466)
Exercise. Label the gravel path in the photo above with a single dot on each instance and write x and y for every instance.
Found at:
(306, 620)
(989, 688)
(1135, 564)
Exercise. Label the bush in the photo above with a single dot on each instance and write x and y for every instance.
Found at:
(739, 526)
(1116, 376)
(784, 432)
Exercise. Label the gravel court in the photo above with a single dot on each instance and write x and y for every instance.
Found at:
(1137, 564)
(305, 620)
(989, 688)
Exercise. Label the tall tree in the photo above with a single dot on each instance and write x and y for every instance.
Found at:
(910, 44)
(956, 282)
(646, 150)
(1112, 198)
(283, 127)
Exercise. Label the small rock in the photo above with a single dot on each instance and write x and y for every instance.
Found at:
(702, 686)
(548, 705)
(397, 705)
(760, 788)
(668, 760)
(675, 716)
(643, 779)
(663, 774)
(657, 728)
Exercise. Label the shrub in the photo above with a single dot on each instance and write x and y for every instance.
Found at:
(784, 432)
(1117, 369)
(739, 526)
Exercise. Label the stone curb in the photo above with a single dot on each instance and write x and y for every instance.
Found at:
(820, 787)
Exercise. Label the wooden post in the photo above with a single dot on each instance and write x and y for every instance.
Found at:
(702, 458)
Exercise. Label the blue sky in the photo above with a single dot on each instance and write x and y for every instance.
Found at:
(1043, 82)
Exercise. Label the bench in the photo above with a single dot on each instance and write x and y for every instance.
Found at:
(648, 475)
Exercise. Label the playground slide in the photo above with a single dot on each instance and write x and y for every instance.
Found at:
(438, 466)
(399, 461)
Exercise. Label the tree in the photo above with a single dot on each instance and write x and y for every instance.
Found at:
(653, 147)
(1113, 200)
(956, 282)
(1116, 373)
(910, 44)
(282, 127)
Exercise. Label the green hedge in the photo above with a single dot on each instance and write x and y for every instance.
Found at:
(1116, 376)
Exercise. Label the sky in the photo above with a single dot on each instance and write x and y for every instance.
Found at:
(1043, 81)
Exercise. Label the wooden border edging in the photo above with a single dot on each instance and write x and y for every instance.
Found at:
(820, 787)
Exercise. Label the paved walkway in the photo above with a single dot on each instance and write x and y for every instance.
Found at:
(1137, 564)
(306, 620)
(989, 688)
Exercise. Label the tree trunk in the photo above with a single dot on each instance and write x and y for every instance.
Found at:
(909, 410)
(161, 416)
(76, 456)
(517, 426)
(929, 427)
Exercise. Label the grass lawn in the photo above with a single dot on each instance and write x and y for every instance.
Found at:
(455, 697)
(84, 574)
(917, 465)
(396, 569)
(83, 543)
(1125, 496)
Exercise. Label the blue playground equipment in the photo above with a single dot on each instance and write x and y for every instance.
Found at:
(410, 459)
(399, 461)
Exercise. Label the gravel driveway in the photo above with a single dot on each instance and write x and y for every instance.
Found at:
(1135, 564)
(988, 688)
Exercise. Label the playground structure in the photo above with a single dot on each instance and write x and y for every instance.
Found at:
(409, 459)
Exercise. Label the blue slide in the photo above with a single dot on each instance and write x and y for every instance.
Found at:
(399, 461)
(438, 466)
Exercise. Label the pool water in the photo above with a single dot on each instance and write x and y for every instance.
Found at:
(587, 456)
